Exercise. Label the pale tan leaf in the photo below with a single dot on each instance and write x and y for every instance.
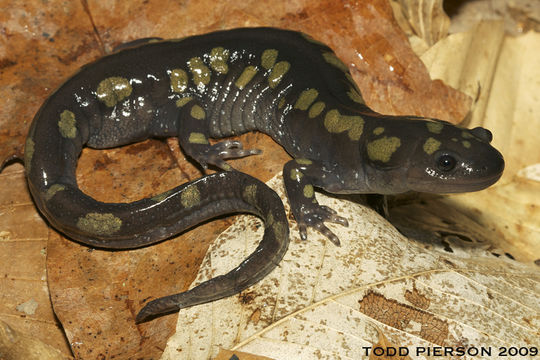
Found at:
(15, 345)
(425, 18)
(327, 302)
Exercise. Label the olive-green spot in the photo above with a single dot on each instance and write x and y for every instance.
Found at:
(183, 101)
(296, 174)
(467, 135)
(226, 167)
(454, 139)
(269, 219)
(333, 60)
(282, 102)
(351, 80)
(268, 58)
(112, 90)
(466, 144)
(277, 73)
(99, 224)
(218, 60)
(308, 191)
(179, 80)
(312, 40)
(434, 127)
(190, 197)
(52, 190)
(162, 196)
(200, 72)
(245, 77)
(337, 123)
(431, 145)
(383, 148)
(66, 124)
(306, 98)
(303, 161)
(197, 112)
(316, 109)
(378, 130)
(355, 96)
(28, 153)
(280, 230)
(250, 194)
(197, 138)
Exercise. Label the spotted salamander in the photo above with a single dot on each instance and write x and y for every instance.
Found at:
(282, 83)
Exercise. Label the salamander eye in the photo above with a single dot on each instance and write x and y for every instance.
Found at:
(446, 162)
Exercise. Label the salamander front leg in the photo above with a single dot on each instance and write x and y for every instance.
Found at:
(298, 175)
(193, 137)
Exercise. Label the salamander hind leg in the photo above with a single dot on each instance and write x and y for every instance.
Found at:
(298, 176)
(193, 137)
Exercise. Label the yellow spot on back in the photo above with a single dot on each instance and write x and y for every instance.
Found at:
(378, 130)
(190, 197)
(268, 58)
(29, 148)
(316, 109)
(99, 224)
(282, 102)
(226, 167)
(197, 138)
(218, 60)
(183, 101)
(162, 196)
(179, 80)
(296, 174)
(303, 161)
(434, 127)
(200, 72)
(66, 124)
(466, 144)
(277, 73)
(383, 148)
(52, 190)
(245, 77)
(467, 135)
(197, 112)
(306, 98)
(308, 191)
(333, 60)
(334, 122)
(431, 145)
(112, 90)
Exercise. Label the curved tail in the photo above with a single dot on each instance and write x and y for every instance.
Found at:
(143, 222)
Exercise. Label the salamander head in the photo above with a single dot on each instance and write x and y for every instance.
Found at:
(431, 156)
